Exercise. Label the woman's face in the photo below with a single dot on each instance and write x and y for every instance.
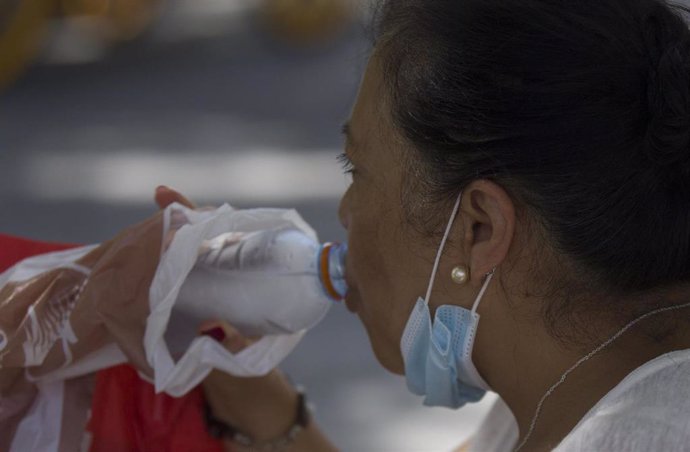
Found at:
(387, 269)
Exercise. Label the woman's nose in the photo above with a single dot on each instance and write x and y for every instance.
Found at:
(343, 214)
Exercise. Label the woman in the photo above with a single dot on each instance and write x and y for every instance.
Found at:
(540, 149)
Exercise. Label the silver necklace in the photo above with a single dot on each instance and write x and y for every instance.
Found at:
(608, 342)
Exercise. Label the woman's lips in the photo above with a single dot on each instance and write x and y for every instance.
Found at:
(351, 305)
(351, 293)
(352, 296)
(351, 299)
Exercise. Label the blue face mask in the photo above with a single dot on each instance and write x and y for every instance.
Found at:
(438, 356)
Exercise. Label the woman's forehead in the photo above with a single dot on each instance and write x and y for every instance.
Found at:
(370, 123)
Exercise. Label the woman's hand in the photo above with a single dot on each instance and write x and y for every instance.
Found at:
(263, 408)
(165, 196)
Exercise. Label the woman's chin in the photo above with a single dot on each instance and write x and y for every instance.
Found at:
(388, 355)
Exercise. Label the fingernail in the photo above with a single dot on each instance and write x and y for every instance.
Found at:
(216, 333)
(162, 187)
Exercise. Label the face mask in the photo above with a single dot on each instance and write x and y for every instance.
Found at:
(438, 356)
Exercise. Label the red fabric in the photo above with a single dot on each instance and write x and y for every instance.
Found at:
(126, 414)
(14, 249)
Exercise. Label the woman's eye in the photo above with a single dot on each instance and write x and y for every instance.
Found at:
(346, 163)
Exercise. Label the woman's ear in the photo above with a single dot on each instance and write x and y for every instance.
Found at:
(488, 216)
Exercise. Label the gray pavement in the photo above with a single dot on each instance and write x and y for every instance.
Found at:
(166, 110)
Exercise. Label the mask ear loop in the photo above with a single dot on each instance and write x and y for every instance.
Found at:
(489, 275)
(481, 292)
(440, 249)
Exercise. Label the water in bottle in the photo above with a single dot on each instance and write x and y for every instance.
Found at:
(275, 281)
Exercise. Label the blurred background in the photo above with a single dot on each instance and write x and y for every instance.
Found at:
(237, 101)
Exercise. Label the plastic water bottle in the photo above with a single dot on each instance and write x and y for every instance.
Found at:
(274, 281)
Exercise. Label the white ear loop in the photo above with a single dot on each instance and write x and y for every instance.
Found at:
(481, 292)
(490, 275)
(440, 249)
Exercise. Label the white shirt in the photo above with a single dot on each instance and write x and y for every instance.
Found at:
(649, 410)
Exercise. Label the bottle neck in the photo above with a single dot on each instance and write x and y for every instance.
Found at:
(331, 264)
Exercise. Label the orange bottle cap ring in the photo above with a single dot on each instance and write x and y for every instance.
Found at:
(325, 274)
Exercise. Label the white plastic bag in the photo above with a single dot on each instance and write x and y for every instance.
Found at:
(205, 354)
(68, 314)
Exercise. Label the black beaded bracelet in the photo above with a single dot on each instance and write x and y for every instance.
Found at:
(221, 430)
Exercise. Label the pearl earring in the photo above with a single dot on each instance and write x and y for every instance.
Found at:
(460, 274)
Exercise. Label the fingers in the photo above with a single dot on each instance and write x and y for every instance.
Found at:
(165, 196)
(227, 335)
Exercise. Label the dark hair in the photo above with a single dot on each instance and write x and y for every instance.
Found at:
(580, 109)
